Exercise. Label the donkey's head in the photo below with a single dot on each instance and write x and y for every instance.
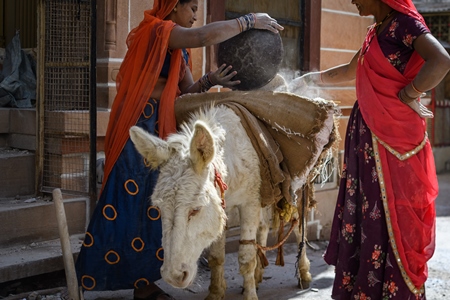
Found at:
(190, 204)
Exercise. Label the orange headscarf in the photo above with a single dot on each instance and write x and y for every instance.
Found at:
(138, 74)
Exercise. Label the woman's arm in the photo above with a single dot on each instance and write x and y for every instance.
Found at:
(339, 74)
(436, 66)
(217, 32)
(334, 75)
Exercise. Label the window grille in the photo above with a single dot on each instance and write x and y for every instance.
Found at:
(439, 26)
(328, 177)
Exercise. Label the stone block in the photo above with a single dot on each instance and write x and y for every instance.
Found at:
(4, 120)
(102, 122)
(331, 58)
(70, 122)
(3, 140)
(17, 174)
(22, 141)
(343, 96)
(351, 30)
(23, 121)
(326, 203)
(339, 5)
(67, 145)
(35, 222)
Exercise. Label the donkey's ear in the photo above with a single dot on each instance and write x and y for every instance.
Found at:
(202, 147)
(154, 150)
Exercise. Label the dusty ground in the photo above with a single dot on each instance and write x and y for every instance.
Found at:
(279, 282)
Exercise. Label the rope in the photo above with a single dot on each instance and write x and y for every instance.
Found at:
(260, 248)
(222, 186)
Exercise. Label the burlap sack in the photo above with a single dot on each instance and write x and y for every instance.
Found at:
(288, 132)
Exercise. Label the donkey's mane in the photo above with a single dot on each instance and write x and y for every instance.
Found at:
(180, 140)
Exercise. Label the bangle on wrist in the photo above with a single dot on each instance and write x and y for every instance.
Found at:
(240, 24)
(408, 95)
(404, 97)
(415, 89)
(246, 22)
(205, 83)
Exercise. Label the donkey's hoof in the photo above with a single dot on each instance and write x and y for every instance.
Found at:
(215, 297)
(303, 285)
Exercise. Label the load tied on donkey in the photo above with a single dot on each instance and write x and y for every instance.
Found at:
(257, 151)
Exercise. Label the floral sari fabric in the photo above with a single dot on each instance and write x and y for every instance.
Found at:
(383, 229)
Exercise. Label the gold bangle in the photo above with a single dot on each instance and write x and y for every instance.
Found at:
(415, 89)
(402, 94)
(240, 24)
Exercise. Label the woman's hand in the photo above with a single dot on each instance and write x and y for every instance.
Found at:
(413, 102)
(264, 21)
(420, 109)
(222, 76)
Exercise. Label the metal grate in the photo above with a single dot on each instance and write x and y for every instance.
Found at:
(439, 26)
(67, 89)
(441, 136)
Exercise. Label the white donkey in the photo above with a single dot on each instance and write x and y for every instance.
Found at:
(209, 151)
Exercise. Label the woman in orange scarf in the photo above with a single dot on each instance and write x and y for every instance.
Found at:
(122, 246)
(383, 231)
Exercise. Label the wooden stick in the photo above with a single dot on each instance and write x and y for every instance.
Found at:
(69, 266)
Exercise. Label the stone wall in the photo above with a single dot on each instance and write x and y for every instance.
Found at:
(342, 34)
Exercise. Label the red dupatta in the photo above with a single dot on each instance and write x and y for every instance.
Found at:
(404, 159)
(138, 74)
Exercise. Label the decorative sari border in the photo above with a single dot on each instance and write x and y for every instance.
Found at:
(398, 154)
(409, 283)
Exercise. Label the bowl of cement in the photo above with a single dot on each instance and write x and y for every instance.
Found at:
(255, 54)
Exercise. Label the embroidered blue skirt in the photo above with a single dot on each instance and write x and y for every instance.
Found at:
(122, 245)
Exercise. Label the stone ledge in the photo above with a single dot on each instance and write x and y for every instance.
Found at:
(34, 259)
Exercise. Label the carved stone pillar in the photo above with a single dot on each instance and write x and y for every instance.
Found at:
(115, 19)
(110, 24)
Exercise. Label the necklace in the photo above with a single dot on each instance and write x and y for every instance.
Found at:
(374, 28)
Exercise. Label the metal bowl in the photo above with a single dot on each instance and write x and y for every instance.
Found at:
(255, 54)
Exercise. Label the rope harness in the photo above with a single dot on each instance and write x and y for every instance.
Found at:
(260, 249)
(222, 186)
(218, 181)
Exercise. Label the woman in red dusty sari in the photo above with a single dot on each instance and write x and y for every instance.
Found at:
(122, 246)
(383, 231)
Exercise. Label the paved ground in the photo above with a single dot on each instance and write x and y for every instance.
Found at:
(280, 282)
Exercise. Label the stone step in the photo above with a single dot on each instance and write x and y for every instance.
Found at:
(23, 261)
(17, 175)
(29, 220)
(29, 235)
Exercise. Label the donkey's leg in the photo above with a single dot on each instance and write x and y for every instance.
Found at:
(216, 260)
(304, 276)
(261, 239)
(249, 218)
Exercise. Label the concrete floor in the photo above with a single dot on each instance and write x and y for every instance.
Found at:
(280, 282)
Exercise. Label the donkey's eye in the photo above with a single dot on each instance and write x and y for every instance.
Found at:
(193, 212)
